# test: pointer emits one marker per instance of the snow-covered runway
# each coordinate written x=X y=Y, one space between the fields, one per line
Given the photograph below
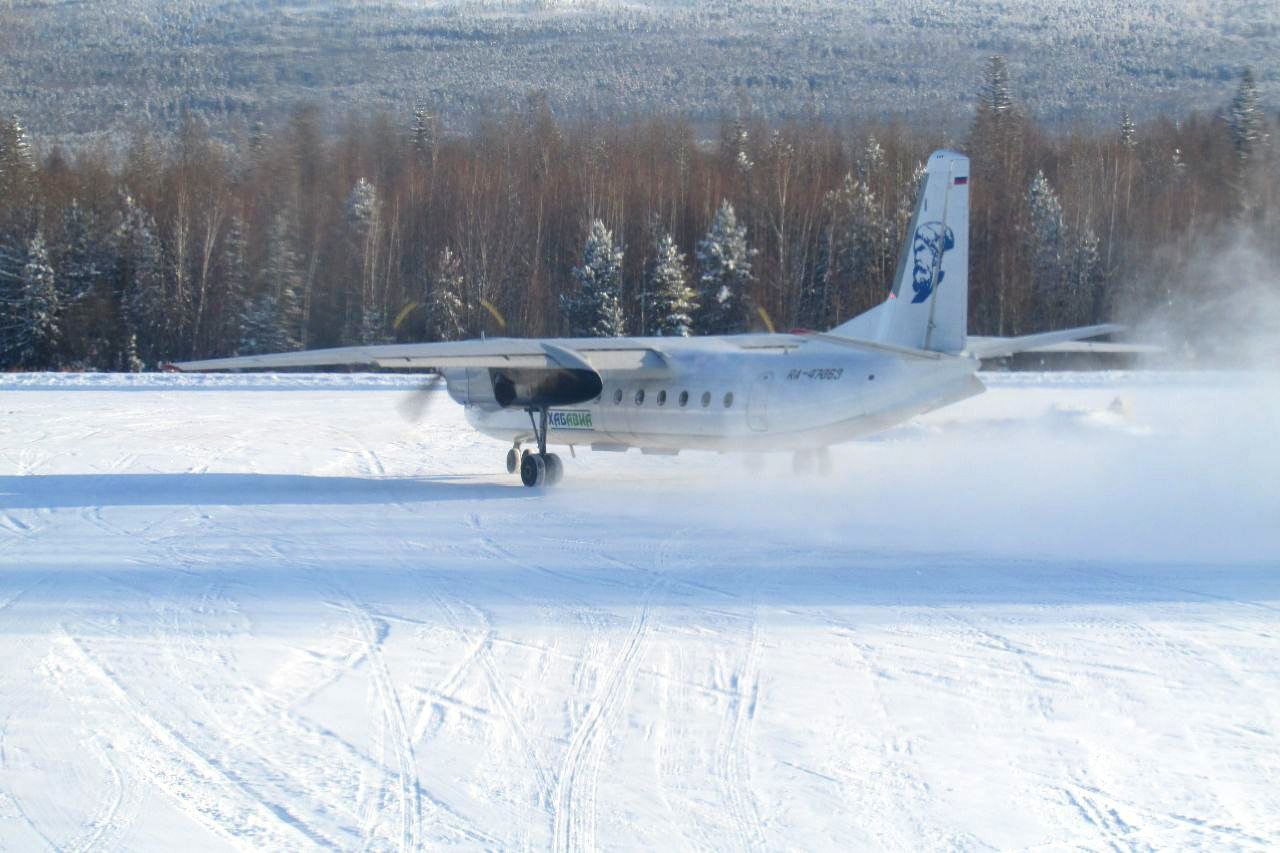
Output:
x=266 y=613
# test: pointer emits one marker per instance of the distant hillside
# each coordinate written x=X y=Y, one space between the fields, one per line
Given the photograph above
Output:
x=101 y=66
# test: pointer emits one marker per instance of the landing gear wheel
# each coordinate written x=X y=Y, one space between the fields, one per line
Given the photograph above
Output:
x=533 y=470
x=513 y=461
x=540 y=468
x=555 y=469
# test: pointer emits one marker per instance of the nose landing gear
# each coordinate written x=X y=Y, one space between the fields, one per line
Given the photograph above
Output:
x=540 y=468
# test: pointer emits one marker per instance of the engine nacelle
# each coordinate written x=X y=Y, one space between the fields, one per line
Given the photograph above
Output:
x=507 y=387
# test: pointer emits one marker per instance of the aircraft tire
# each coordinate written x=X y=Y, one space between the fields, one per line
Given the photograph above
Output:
x=555 y=469
x=513 y=461
x=533 y=470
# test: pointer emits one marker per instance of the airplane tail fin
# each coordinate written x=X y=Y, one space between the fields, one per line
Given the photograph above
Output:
x=929 y=304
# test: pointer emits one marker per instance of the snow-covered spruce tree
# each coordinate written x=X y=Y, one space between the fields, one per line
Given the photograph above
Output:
x=446 y=307
x=995 y=121
x=1245 y=116
x=258 y=139
x=1085 y=283
x=1128 y=131
x=813 y=309
x=140 y=272
x=906 y=208
x=375 y=326
x=260 y=326
x=83 y=259
x=594 y=308
x=425 y=136
x=128 y=360
x=724 y=274
x=364 y=316
x=855 y=247
x=995 y=98
x=674 y=301
x=13 y=254
x=269 y=321
x=34 y=330
x=237 y=301
x=871 y=162
x=282 y=277
x=17 y=164
x=84 y=264
x=1045 y=242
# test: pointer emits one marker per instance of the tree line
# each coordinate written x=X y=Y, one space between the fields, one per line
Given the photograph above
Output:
x=389 y=229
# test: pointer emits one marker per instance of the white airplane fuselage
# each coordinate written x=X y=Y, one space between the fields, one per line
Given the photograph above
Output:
x=715 y=396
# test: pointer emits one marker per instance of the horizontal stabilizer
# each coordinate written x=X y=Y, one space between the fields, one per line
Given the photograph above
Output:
x=1055 y=341
x=1109 y=347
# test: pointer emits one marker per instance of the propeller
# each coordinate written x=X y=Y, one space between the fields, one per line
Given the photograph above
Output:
x=413 y=408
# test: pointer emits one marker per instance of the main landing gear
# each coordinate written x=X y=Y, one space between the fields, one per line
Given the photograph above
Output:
x=540 y=468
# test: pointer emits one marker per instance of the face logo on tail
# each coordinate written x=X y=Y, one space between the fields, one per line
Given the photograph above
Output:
x=932 y=240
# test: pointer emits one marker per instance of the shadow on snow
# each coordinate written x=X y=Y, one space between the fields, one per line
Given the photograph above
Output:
x=62 y=491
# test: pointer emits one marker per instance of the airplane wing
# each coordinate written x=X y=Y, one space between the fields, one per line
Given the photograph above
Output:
x=613 y=355
x=1063 y=340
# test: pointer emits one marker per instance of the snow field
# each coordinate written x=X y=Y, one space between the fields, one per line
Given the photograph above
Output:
x=264 y=612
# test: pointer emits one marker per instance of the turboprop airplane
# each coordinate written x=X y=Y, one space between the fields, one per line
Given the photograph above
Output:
x=798 y=392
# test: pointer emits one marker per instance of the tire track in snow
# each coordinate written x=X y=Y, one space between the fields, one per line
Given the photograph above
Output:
x=576 y=813
x=370 y=461
x=1105 y=819
x=18 y=530
x=1021 y=656
x=733 y=771
x=219 y=801
x=575 y=797
x=6 y=603
x=484 y=656
x=431 y=718
x=392 y=711
x=11 y=807
x=117 y=813
x=316 y=769
x=298 y=682
x=663 y=768
x=546 y=785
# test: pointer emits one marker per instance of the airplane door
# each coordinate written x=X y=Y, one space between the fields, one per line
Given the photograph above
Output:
x=758 y=403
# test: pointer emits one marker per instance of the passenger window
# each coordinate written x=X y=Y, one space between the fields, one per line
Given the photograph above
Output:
x=706 y=399
x=684 y=399
x=617 y=396
x=728 y=399
x=640 y=397
x=662 y=397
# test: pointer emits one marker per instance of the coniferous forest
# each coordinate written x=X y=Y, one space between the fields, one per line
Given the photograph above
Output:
x=324 y=231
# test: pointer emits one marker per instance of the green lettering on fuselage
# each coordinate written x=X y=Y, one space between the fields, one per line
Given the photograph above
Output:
x=572 y=419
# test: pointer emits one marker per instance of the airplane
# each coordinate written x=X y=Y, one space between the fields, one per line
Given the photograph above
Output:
x=800 y=392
